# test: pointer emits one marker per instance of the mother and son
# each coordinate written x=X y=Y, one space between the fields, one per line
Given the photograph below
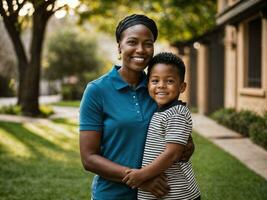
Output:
x=135 y=134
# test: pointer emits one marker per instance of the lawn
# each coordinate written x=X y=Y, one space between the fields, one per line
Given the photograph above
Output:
x=41 y=162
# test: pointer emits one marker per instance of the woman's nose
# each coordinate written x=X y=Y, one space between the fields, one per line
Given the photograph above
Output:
x=140 y=48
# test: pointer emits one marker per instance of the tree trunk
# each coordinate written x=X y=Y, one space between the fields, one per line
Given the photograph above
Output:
x=30 y=88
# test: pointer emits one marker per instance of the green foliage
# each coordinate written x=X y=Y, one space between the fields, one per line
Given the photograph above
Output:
x=225 y=116
x=221 y=176
x=70 y=53
x=45 y=110
x=7 y=87
x=71 y=91
x=258 y=131
x=177 y=20
x=244 y=122
x=10 y=110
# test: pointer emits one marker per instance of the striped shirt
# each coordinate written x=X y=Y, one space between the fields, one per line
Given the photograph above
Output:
x=171 y=125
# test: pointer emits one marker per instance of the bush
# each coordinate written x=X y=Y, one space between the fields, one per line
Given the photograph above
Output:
x=243 y=120
x=72 y=92
x=45 y=111
x=258 y=132
x=225 y=116
x=237 y=121
x=10 y=110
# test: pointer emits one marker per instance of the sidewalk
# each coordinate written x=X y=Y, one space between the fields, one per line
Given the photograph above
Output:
x=253 y=156
x=5 y=101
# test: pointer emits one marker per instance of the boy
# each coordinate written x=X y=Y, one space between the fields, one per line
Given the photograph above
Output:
x=168 y=132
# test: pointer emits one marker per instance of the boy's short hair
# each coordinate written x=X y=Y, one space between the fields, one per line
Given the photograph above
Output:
x=169 y=59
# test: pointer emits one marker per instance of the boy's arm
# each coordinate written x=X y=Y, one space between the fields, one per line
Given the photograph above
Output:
x=171 y=154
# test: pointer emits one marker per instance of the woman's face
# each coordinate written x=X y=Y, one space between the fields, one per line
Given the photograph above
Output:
x=136 y=47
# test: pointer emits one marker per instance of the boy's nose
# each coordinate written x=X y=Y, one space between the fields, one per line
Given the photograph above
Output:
x=161 y=84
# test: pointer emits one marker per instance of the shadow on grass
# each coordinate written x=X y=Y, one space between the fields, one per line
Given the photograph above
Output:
x=41 y=176
x=29 y=138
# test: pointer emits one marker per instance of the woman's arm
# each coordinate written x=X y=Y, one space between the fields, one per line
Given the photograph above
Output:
x=94 y=162
x=171 y=154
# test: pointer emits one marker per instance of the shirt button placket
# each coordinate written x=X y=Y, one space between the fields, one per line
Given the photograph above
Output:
x=137 y=107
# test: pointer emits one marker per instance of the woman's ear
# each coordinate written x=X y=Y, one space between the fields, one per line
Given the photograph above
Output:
x=182 y=87
x=119 y=48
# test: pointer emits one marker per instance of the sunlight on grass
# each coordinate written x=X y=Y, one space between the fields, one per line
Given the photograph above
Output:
x=53 y=161
x=8 y=142
x=41 y=161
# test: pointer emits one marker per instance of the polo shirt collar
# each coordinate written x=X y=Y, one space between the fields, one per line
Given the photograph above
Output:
x=171 y=104
x=119 y=83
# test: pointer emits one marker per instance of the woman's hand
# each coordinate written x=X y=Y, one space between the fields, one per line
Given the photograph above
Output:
x=188 y=150
x=157 y=186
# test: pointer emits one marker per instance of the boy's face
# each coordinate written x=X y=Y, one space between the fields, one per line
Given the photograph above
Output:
x=164 y=84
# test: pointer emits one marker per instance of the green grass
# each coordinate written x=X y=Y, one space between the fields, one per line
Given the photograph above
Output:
x=39 y=162
x=42 y=162
x=68 y=103
x=221 y=176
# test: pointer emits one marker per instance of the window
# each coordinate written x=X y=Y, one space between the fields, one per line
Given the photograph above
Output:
x=253 y=79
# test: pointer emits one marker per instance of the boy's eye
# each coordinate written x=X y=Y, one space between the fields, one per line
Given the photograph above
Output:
x=170 y=81
x=154 y=81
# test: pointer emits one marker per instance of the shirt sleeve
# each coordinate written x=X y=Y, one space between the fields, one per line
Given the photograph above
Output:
x=91 y=109
x=178 y=129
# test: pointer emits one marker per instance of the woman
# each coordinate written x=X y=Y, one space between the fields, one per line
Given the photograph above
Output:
x=115 y=112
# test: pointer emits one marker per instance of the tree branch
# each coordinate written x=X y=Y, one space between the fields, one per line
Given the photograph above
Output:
x=2 y=10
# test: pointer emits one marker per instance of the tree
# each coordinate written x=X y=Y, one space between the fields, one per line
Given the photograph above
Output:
x=72 y=57
x=71 y=53
x=29 y=67
x=177 y=20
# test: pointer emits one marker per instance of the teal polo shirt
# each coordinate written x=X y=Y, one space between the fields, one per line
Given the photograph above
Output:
x=122 y=114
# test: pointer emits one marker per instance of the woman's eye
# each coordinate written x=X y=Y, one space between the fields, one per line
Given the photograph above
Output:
x=149 y=44
x=131 y=42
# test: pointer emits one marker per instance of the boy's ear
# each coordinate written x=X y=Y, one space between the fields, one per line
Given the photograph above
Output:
x=182 y=87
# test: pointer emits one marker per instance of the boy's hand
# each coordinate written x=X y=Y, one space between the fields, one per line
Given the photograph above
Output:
x=134 y=178
x=188 y=151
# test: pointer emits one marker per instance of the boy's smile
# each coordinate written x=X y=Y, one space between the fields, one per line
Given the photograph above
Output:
x=164 y=84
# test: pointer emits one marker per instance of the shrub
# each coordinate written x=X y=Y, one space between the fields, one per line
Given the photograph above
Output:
x=45 y=111
x=10 y=110
x=225 y=116
x=244 y=119
x=258 y=132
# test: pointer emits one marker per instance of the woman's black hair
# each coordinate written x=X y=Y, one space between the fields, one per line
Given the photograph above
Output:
x=169 y=59
x=134 y=20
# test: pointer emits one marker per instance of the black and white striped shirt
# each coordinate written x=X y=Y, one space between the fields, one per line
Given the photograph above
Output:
x=171 y=125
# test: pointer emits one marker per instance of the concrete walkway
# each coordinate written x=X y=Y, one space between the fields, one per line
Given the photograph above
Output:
x=5 y=101
x=253 y=156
